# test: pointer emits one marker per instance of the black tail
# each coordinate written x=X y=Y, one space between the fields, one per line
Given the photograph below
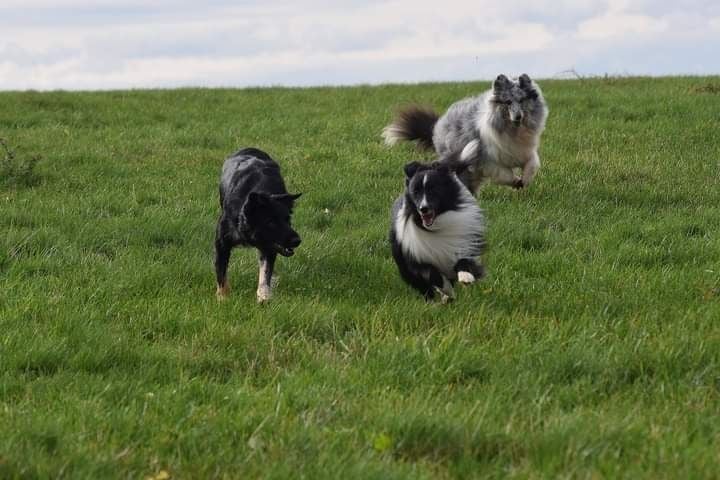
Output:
x=413 y=122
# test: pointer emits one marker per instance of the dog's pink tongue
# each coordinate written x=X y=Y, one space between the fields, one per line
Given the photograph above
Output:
x=428 y=219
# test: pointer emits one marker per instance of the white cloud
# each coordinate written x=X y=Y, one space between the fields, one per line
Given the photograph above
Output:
x=616 y=25
x=57 y=5
x=108 y=44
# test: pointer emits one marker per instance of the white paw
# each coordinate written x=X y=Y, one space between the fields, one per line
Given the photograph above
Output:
x=263 y=294
x=466 y=277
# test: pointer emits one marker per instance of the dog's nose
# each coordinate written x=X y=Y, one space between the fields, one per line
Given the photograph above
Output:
x=424 y=209
x=294 y=241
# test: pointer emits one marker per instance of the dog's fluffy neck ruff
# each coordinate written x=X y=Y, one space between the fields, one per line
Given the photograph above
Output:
x=508 y=146
x=455 y=234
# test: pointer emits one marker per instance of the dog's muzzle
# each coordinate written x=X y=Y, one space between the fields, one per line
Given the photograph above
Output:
x=284 y=251
x=427 y=215
x=289 y=249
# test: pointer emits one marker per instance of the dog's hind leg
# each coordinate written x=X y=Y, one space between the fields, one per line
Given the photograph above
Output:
x=222 y=258
x=530 y=170
x=266 y=263
x=468 y=271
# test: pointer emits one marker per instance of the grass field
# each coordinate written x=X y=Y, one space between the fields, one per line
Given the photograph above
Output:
x=591 y=350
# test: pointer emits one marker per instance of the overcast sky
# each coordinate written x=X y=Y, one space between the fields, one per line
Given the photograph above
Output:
x=106 y=44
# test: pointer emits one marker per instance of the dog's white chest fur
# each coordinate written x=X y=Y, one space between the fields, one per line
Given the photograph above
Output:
x=509 y=151
x=454 y=235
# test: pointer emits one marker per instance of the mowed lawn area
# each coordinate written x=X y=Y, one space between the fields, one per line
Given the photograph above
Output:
x=590 y=350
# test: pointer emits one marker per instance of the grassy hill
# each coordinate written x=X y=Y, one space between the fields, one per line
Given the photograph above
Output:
x=591 y=350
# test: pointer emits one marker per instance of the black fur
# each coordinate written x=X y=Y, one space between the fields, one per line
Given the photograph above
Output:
x=416 y=122
x=441 y=191
x=255 y=212
x=461 y=168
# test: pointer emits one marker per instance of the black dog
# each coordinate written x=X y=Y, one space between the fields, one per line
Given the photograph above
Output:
x=437 y=230
x=256 y=211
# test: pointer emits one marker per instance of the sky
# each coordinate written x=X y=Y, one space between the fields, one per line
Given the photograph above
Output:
x=106 y=44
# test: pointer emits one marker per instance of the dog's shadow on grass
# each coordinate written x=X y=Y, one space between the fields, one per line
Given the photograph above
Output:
x=360 y=279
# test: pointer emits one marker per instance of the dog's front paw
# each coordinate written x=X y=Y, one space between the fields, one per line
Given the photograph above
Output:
x=466 y=277
x=222 y=292
x=263 y=294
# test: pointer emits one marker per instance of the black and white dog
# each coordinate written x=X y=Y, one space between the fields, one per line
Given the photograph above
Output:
x=256 y=210
x=437 y=230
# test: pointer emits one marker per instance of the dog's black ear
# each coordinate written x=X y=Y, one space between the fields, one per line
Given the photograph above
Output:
x=411 y=169
x=288 y=198
x=501 y=83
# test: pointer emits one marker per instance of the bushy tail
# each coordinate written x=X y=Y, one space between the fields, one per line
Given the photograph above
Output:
x=413 y=122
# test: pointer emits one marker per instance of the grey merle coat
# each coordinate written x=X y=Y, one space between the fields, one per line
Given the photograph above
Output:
x=493 y=133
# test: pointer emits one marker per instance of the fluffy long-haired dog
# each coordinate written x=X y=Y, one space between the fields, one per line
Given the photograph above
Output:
x=437 y=231
x=493 y=133
x=256 y=211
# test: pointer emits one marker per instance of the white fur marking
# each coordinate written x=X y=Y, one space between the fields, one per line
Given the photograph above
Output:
x=263 y=293
x=470 y=150
x=423 y=202
x=466 y=277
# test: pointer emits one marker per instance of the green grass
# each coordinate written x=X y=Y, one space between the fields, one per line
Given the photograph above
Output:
x=591 y=350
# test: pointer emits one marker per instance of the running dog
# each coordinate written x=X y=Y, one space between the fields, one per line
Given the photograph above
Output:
x=493 y=133
x=437 y=230
x=255 y=212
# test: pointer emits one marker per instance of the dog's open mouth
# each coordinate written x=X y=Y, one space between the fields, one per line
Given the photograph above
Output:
x=284 y=251
x=428 y=218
